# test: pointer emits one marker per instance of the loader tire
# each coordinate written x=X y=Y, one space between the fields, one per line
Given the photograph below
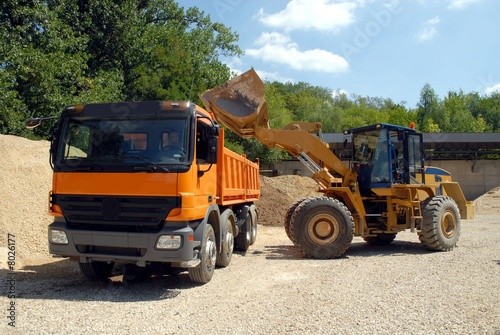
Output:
x=381 y=239
x=224 y=257
x=322 y=227
x=440 y=224
x=288 y=218
x=204 y=271
x=96 y=270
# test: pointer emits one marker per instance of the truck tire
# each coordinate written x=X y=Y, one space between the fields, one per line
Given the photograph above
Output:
x=381 y=239
x=224 y=257
x=96 y=270
x=208 y=255
x=288 y=218
x=440 y=224
x=322 y=227
x=244 y=238
x=254 y=217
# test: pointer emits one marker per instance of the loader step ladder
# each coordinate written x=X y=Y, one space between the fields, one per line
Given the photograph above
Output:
x=416 y=215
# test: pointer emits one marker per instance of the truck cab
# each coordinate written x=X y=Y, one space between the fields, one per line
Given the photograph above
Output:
x=148 y=182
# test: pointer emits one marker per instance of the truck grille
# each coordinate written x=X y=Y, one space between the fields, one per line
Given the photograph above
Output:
x=115 y=213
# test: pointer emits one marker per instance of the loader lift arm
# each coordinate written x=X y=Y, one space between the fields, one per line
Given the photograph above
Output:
x=240 y=106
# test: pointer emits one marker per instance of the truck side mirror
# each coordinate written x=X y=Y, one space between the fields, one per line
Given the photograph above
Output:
x=212 y=150
x=33 y=123
x=215 y=130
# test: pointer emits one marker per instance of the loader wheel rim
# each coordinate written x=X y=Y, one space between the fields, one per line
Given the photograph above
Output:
x=448 y=224
x=323 y=229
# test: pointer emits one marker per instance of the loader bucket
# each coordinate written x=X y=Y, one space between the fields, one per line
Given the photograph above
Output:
x=239 y=104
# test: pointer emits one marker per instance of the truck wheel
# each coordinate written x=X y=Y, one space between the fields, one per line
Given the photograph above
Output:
x=244 y=237
x=381 y=239
x=288 y=218
x=254 y=217
x=322 y=227
x=224 y=257
x=96 y=270
x=208 y=254
x=440 y=224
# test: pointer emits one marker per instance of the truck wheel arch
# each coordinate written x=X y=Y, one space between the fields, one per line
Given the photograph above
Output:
x=212 y=217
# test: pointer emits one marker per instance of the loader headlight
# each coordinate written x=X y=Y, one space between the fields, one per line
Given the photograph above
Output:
x=57 y=236
x=169 y=242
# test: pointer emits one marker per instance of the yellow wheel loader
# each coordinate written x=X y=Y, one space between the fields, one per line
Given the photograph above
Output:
x=385 y=188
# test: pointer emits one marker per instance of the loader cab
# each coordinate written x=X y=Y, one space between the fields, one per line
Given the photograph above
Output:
x=385 y=154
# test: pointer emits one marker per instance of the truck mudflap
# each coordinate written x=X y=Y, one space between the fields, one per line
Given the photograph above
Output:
x=127 y=247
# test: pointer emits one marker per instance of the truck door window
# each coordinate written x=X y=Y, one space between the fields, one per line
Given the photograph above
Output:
x=76 y=142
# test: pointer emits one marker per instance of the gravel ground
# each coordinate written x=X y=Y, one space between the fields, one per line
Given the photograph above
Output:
x=272 y=289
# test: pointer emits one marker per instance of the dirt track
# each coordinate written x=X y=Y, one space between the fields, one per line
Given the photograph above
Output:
x=272 y=289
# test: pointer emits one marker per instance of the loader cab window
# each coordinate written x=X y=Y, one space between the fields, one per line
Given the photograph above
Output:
x=381 y=160
x=379 y=154
x=415 y=158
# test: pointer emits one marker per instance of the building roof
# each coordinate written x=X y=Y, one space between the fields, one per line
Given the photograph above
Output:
x=440 y=145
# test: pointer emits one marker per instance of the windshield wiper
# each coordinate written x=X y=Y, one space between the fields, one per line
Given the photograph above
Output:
x=152 y=167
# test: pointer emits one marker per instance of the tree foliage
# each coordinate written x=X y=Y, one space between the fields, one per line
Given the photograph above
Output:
x=56 y=53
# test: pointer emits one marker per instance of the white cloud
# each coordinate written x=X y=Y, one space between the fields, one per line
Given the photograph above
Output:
x=426 y=34
x=280 y=49
x=461 y=4
x=323 y=15
x=493 y=89
x=435 y=20
x=429 y=31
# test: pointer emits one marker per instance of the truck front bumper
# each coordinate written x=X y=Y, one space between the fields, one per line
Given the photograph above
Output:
x=130 y=247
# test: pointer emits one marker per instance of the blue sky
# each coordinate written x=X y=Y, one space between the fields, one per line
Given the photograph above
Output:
x=377 y=48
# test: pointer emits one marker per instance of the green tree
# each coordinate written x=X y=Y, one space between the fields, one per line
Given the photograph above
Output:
x=489 y=109
x=457 y=105
x=428 y=107
x=55 y=53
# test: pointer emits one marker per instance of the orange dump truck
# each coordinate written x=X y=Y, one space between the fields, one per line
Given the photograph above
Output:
x=148 y=183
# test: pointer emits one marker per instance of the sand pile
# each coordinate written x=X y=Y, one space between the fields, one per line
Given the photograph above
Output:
x=25 y=181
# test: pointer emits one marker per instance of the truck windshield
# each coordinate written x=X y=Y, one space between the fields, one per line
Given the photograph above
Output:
x=134 y=144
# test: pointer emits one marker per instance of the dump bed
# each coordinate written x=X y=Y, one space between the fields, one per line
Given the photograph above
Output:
x=238 y=177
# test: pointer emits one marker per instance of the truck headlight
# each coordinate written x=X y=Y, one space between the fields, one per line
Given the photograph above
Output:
x=57 y=236
x=169 y=242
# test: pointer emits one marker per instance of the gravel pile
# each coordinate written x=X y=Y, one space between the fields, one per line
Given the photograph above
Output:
x=272 y=289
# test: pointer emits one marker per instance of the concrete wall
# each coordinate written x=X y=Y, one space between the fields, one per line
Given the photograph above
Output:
x=475 y=177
